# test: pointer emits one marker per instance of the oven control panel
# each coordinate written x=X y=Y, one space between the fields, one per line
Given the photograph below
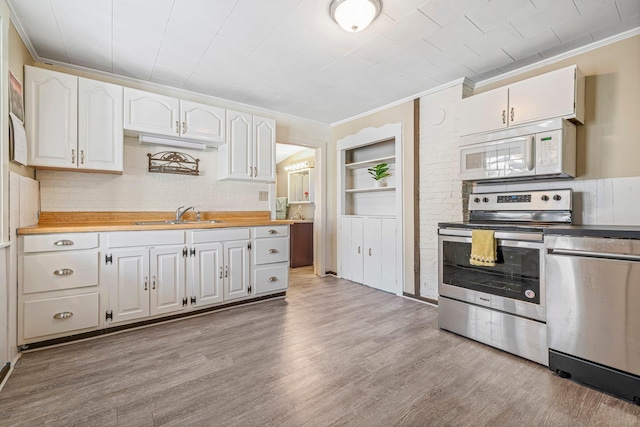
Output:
x=539 y=200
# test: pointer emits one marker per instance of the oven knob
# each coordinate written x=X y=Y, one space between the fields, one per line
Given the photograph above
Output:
x=485 y=199
x=477 y=200
x=545 y=198
x=557 y=197
x=529 y=293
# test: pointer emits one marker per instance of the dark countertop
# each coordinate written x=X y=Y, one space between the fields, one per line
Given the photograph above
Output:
x=606 y=231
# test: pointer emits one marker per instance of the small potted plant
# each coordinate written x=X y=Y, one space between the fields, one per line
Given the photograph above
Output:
x=379 y=172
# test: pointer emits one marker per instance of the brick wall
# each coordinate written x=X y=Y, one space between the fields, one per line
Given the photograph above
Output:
x=138 y=190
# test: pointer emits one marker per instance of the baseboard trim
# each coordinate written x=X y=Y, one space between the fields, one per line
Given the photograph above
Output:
x=115 y=329
x=419 y=298
x=4 y=371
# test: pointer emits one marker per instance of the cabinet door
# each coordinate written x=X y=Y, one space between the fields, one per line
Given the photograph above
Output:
x=236 y=270
x=372 y=257
x=100 y=139
x=483 y=112
x=345 y=249
x=549 y=95
x=264 y=143
x=356 y=256
x=152 y=113
x=128 y=281
x=51 y=115
x=239 y=147
x=202 y=122
x=208 y=273
x=167 y=271
x=388 y=261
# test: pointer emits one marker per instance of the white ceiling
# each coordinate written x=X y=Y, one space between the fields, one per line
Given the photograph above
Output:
x=284 y=151
x=289 y=56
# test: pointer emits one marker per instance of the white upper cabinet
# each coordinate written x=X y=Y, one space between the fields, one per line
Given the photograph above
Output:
x=250 y=152
x=73 y=123
x=51 y=114
x=151 y=113
x=100 y=138
x=264 y=143
x=558 y=93
x=202 y=122
x=146 y=112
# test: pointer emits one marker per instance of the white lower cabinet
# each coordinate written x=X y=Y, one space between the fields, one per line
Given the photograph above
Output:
x=59 y=286
x=220 y=268
x=368 y=251
x=270 y=259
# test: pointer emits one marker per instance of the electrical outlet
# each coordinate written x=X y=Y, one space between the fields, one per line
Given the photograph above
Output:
x=263 y=196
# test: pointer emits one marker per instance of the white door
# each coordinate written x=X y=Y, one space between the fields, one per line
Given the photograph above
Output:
x=264 y=143
x=202 y=122
x=239 y=146
x=236 y=270
x=372 y=252
x=167 y=272
x=128 y=279
x=483 y=112
x=51 y=117
x=100 y=136
x=151 y=113
x=546 y=96
x=356 y=257
x=388 y=255
x=208 y=273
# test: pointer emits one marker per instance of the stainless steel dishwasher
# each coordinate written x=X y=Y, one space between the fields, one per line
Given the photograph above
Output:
x=593 y=311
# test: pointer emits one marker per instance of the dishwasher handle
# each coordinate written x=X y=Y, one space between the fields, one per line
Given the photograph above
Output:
x=594 y=254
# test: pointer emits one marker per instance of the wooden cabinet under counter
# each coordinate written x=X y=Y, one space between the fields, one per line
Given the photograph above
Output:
x=301 y=238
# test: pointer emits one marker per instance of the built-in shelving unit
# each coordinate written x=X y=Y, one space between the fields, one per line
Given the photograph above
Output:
x=370 y=235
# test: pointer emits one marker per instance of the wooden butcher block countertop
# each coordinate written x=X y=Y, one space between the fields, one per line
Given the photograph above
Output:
x=80 y=222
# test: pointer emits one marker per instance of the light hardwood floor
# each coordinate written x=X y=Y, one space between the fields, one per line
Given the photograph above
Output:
x=331 y=353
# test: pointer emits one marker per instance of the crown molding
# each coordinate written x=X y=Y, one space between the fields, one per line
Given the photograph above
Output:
x=22 y=33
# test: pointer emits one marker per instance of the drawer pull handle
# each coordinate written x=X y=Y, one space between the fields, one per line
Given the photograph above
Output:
x=63 y=315
x=273 y=232
x=272 y=279
x=273 y=251
x=63 y=272
x=63 y=243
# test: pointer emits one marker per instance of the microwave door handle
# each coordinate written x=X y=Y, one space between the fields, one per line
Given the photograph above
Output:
x=529 y=147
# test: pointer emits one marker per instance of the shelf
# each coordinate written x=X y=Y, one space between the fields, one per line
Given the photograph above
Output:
x=372 y=162
x=369 y=190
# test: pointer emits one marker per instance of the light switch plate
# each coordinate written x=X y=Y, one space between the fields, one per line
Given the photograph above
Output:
x=263 y=196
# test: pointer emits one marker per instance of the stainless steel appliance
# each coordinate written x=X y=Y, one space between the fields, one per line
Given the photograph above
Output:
x=594 y=310
x=502 y=306
x=543 y=150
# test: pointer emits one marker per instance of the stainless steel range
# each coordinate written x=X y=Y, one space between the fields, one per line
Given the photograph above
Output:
x=502 y=306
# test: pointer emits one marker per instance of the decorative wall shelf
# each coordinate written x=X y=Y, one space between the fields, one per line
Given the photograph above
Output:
x=369 y=190
x=372 y=162
x=173 y=162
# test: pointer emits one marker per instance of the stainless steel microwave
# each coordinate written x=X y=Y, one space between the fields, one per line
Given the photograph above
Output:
x=545 y=149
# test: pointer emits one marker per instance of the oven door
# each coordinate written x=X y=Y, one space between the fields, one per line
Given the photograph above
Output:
x=515 y=285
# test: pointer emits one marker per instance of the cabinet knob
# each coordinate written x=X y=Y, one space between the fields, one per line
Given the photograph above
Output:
x=63 y=315
x=82 y=157
x=146 y=283
x=177 y=127
x=512 y=113
x=273 y=251
x=358 y=249
x=226 y=271
x=63 y=243
x=220 y=272
x=369 y=251
x=184 y=127
x=63 y=272
x=272 y=279
x=153 y=282
x=504 y=117
x=273 y=232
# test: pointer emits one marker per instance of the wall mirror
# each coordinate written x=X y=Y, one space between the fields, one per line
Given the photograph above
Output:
x=301 y=186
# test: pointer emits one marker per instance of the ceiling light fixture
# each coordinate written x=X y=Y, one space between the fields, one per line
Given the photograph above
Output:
x=355 y=15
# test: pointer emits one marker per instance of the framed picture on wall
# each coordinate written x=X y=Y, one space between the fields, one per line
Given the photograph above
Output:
x=16 y=104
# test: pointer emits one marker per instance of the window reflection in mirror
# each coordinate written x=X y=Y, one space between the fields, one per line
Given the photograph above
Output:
x=301 y=186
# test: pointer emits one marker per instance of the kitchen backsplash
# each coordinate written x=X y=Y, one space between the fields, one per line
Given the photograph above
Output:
x=138 y=190
x=611 y=201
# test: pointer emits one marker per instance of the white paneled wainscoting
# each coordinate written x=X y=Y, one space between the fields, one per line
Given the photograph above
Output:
x=138 y=190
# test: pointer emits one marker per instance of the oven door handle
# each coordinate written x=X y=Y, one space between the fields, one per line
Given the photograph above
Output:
x=500 y=235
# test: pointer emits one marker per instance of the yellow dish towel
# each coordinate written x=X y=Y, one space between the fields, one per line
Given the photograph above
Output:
x=483 y=248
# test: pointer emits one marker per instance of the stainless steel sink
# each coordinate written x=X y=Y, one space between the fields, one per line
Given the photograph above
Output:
x=174 y=222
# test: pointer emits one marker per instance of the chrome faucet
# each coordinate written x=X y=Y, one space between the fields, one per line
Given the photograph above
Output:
x=180 y=213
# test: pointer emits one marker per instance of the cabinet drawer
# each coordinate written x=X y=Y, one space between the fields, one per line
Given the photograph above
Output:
x=60 y=315
x=219 y=235
x=125 y=239
x=272 y=231
x=52 y=272
x=60 y=242
x=271 y=279
x=268 y=251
